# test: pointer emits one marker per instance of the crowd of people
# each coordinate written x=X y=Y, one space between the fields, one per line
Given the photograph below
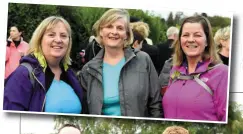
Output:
x=123 y=73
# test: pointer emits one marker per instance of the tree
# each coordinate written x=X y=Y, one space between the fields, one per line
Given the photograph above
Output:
x=170 y=20
x=108 y=125
x=82 y=19
x=177 y=19
x=28 y=16
x=157 y=27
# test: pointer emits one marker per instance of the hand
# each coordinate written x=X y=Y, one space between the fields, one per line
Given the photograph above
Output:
x=10 y=39
x=21 y=53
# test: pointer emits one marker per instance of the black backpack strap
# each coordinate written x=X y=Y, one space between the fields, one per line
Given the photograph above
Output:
x=30 y=70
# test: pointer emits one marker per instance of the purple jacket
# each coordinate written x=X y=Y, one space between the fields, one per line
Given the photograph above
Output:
x=19 y=94
x=186 y=99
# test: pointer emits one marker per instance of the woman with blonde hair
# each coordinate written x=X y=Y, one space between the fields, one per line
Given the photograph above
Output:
x=143 y=29
x=140 y=32
x=44 y=82
x=119 y=80
x=222 y=41
x=198 y=83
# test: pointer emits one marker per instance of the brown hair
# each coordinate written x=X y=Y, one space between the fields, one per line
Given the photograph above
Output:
x=210 y=50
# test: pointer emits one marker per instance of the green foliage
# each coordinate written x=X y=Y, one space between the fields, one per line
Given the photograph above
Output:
x=81 y=23
x=178 y=18
x=81 y=19
x=218 y=22
x=93 y=125
x=28 y=16
x=170 y=20
x=156 y=25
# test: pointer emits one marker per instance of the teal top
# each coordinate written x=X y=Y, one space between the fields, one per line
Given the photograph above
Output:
x=111 y=75
x=61 y=98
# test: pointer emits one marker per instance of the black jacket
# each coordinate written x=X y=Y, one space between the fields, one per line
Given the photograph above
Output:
x=153 y=52
x=165 y=53
x=91 y=50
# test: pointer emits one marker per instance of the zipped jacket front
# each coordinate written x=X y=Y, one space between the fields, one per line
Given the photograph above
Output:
x=139 y=91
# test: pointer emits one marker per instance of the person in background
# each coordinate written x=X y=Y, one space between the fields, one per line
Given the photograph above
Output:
x=15 y=49
x=92 y=49
x=137 y=40
x=222 y=41
x=69 y=129
x=55 y=88
x=164 y=76
x=175 y=130
x=165 y=49
x=165 y=57
x=152 y=51
x=198 y=83
x=119 y=80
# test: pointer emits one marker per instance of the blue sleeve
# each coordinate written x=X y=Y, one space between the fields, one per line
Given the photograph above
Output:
x=17 y=90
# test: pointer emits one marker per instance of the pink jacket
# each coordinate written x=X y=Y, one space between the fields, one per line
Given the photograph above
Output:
x=13 y=56
x=186 y=99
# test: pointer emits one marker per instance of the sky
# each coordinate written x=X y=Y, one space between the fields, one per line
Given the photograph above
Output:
x=165 y=13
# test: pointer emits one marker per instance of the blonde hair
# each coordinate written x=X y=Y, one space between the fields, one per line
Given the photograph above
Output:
x=172 y=30
x=210 y=50
x=221 y=34
x=141 y=27
x=110 y=17
x=46 y=24
x=175 y=130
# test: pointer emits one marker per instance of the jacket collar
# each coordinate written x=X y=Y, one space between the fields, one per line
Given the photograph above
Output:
x=97 y=62
x=201 y=67
x=44 y=75
x=42 y=60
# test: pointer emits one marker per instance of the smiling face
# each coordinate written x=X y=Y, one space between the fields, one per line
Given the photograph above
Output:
x=114 y=35
x=55 y=42
x=193 y=40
